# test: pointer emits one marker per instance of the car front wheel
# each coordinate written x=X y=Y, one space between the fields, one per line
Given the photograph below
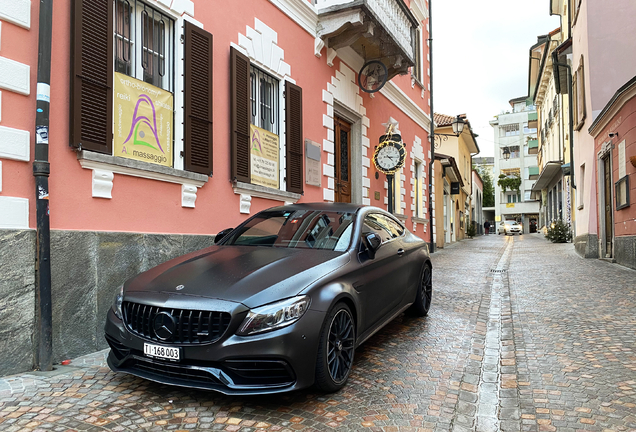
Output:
x=336 y=349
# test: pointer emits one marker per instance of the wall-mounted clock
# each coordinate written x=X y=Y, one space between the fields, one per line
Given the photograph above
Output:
x=372 y=76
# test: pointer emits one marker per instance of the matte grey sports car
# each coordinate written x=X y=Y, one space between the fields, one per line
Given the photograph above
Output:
x=277 y=304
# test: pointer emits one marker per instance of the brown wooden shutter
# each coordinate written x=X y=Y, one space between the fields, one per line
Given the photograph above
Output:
x=240 y=114
x=294 y=137
x=197 y=76
x=91 y=104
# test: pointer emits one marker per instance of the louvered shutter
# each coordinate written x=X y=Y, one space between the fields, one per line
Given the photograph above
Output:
x=294 y=137
x=197 y=75
x=240 y=115
x=91 y=105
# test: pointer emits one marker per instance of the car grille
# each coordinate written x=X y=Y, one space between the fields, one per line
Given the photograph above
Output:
x=192 y=326
x=173 y=372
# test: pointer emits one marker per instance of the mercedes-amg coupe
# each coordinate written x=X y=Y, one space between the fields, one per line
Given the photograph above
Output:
x=279 y=303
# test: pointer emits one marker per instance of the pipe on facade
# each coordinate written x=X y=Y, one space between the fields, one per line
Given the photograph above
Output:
x=556 y=64
x=41 y=170
x=432 y=132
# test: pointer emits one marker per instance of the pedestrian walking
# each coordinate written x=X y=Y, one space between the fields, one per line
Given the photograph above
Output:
x=487 y=227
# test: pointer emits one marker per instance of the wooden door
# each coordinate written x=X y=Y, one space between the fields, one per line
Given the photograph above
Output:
x=607 y=183
x=342 y=158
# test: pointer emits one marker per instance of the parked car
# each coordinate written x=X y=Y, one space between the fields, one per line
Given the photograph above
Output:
x=510 y=228
x=277 y=304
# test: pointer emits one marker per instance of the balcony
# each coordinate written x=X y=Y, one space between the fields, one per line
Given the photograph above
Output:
x=375 y=29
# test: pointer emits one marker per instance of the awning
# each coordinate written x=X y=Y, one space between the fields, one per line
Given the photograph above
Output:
x=550 y=170
x=533 y=143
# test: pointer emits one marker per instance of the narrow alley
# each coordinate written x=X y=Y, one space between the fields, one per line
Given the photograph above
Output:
x=523 y=335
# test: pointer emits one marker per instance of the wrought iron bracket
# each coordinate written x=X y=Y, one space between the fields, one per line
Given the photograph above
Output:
x=439 y=138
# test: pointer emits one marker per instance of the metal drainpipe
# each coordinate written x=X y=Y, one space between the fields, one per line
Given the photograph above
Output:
x=571 y=119
x=432 y=133
x=41 y=170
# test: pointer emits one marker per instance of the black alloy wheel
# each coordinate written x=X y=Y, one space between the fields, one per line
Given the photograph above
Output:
x=424 y=293
x=336 y=350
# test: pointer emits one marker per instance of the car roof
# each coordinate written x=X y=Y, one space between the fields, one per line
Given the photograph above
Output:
x=322 y=206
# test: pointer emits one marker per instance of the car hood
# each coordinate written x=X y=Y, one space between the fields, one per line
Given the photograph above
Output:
x=251 y=275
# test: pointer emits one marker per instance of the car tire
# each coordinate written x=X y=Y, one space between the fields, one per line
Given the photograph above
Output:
x=424 y=293
x=336 y=349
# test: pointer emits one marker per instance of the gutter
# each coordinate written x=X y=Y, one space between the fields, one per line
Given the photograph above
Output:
x=555 y=66
x=41 y=170
x=432 y=133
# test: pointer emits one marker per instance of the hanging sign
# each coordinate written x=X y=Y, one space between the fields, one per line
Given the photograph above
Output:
x=143 y=121
x=264 y=154
x=454 y=188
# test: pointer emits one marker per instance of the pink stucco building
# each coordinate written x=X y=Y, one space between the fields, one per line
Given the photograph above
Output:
x=127 y=194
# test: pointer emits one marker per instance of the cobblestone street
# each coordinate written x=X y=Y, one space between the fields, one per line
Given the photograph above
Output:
x=522 y=335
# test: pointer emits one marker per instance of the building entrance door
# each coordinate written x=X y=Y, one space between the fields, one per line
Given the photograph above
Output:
x=342 y=156
x=607 y=198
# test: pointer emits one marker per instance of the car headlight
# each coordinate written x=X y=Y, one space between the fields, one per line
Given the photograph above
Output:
x=119 y=297
x=274 y=316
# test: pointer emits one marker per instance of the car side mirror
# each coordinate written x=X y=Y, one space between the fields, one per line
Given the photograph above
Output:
x=222 y=234
x=372 y=242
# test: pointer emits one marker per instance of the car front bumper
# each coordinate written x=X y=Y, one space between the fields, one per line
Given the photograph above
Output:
x=278 y=361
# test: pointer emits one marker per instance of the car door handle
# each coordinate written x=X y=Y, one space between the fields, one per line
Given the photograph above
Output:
x=400 y=252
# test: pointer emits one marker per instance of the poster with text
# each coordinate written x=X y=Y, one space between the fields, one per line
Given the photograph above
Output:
x=143 y=121
x=264 y=152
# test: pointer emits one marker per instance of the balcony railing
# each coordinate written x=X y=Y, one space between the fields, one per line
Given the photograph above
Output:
x=376 y=29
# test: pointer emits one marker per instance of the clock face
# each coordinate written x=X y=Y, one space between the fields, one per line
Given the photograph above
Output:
x=389 y=157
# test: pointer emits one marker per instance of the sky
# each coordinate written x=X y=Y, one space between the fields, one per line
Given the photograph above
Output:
x=480 y=57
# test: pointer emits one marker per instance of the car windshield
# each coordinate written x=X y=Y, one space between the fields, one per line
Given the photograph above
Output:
x=304 y=229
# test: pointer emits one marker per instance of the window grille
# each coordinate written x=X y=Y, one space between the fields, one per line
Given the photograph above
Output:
x=265 y=100
x=144 y=43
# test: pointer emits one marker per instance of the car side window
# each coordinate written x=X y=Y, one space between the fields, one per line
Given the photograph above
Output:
x=394 y=227
x=373 y=225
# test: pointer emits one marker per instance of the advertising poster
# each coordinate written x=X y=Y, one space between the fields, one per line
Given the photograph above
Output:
x=264 y=151
x=143 y=121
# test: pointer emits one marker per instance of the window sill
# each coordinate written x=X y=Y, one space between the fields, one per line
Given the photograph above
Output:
x=400 y=216
x=419 y=220
x=131 y=167
x=258 y=191
x=105 y=167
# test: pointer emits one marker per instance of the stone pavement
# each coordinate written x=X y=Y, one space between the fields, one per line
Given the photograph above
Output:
x=522 y=335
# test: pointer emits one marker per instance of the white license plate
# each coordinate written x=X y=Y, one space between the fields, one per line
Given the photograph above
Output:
x=163 y=352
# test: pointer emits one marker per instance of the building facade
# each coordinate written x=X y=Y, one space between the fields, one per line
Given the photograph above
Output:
x=552 y=188
x=173 y=120
x=452 y=179
x=596 y=36
x=614 y=132
x=514 y=134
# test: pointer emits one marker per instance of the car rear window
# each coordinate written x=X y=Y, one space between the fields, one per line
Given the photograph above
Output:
x=305 y=229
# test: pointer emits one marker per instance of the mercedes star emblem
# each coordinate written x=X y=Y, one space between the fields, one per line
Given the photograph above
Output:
x=164 y=326
x=180 y=287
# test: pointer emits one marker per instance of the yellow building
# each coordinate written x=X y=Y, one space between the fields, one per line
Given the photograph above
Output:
x=452 y=178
